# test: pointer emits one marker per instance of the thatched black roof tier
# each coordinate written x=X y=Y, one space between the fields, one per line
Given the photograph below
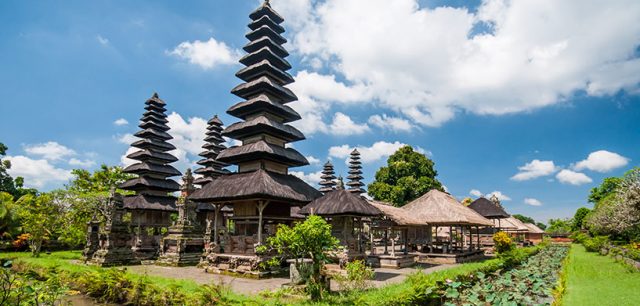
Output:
x=263 y=103
x=259 y=184
x=152 y=156
x=211 y=167
x=266 y=31
x=488 y=209
x=268 y=43
x=439 y=208
x=263 y=150
x=340 y=202
x=152 y=144
x=153 y=167
x=265 y=20
x=263 y=125
x=266 y=10
x=150 y=202
x=264 y=85
x=264 y=68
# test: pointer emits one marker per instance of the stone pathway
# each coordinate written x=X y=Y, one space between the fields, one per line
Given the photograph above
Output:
x=252 y=286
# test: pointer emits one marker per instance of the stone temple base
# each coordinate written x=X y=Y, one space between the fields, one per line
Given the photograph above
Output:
x=394 y=262
x=181 y=250
x=440 y=258
x=114 y=257
x=240 y=265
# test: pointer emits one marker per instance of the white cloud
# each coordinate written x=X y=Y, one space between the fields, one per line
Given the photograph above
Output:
x=574 y=178
x=344 y=126
x=475 y=193
x=103 y=41
x=126 y=161
x=316 y=94
x=532 y=202
x=51 y=150
x=395 y=124
x=602 y=161
x=82 y=163
x=534 y=169
x=499 y=195
x=126 y=138
x=312 y=160
x=206 y=54
x=37 y=173
x=311 y=178
x=426 y=63
x=121 y=122
x=375 y=152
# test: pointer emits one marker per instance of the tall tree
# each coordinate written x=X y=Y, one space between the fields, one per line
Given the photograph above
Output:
x=9 y=223
x=407 y=176
x=6 y=181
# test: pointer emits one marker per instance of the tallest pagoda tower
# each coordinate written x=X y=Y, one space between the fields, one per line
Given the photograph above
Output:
x=262 y=192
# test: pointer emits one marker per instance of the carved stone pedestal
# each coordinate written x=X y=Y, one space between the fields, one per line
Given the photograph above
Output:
x=114 y=246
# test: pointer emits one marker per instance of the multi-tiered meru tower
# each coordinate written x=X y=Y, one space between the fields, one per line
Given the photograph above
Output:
x=152 y=203
x=355 y=173
x=261 y=192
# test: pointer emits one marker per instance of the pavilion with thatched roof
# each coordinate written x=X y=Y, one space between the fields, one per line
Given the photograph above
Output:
x=400 y=224
x=346 y=212
x=535 y=234
x=440 y=209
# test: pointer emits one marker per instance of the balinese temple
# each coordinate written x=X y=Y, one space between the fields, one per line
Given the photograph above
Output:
x=346 y=212
x=355 y=173
x=261 y=192
x=214 y=143
x=328 y=178
x=152 y=204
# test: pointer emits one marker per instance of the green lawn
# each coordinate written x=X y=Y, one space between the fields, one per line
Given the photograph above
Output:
x=599 y=280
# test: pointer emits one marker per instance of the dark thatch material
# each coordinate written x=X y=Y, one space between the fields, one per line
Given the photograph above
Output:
x=266 y=10
x=266 y=42
x=142 y=183
x=398 y=215
x=264 y=125
x=266 y=31
x=262 y=149
x=260 y=184
x=265 y=20
x=264 y=68
x=263 y=103
x=340 y=202
x=439 y=208
x=488 y=209
x=264 y=85
x=265 y=53
x=149 y=202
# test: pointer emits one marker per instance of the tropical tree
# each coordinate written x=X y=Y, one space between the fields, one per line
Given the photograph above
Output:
x=309 y=239
x=100 y=180
x=608 y=187
x=524 y=219
x=40 y=215
x=559 y=226
x=407 y=176
x=578 y=218
x=7 y=183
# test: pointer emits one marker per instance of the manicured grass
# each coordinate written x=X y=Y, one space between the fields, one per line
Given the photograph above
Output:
x=599 y=280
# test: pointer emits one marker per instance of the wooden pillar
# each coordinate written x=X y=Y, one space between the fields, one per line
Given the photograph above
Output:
x=406 y=241
x=478 y=236
x=215 y=223
x=450 y=239
x=261 y=207
x=386 y=240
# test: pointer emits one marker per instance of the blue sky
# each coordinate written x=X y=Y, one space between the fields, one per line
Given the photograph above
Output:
x=484 y=88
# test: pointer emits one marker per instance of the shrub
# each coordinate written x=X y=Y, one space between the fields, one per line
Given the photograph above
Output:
x=357 y=278
x=595 y=244
x=503 y=242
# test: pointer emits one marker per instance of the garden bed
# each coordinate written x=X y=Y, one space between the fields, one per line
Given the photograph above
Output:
x=531 y=283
